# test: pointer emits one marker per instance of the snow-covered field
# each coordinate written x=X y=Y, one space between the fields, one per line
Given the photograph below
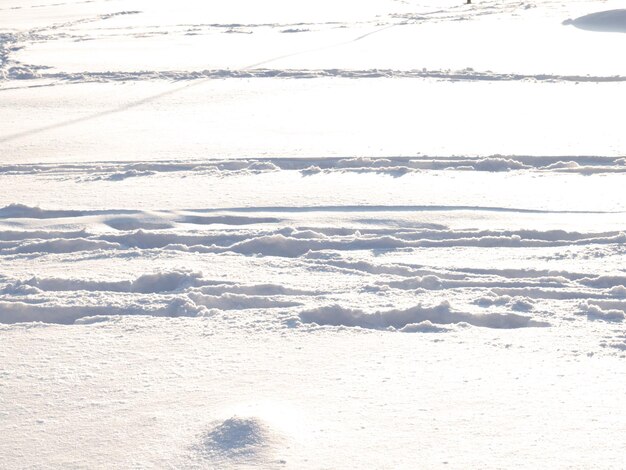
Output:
x=312 y=234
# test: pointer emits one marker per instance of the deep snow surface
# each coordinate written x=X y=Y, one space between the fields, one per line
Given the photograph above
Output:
x=280 y=234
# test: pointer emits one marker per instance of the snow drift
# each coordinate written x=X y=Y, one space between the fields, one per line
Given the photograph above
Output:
x=336 y=315
x=611 y=21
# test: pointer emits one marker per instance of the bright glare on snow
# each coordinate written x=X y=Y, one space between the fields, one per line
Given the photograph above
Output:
x=312 y=234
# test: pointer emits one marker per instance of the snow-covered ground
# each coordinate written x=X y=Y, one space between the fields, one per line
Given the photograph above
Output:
x=279 y=234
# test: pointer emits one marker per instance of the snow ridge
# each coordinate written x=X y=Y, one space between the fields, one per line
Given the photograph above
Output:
x=294 y=242
x=401 y=293
x=168 y=293
x=35 y=73
x=407 y=319
x=394 y=166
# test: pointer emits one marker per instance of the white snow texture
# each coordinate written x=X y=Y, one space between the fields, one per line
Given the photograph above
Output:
x=246 y=234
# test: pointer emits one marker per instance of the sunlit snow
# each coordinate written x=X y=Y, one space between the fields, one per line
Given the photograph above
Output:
x=312 y=234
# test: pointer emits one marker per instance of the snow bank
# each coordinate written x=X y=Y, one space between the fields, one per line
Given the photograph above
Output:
x=456 y=281
x=228 y=220
x=278 y=244
x=293 y=242
x=67 y=310
x=129 y=174
x=618 y=291
x=228 y=301
x=498 y=164
x=13 y=211
x=168 y=293
x=604 y=281
x=611 y=21
x=136 y=223
x=326 y=259
x=61 y=245
x=519 y=304
x=17 y=235
x=145 y=284
x=565 y=293
x=595 y=312
x=423 y=327
x=337 y=315
x=254 y=289
x=158 y=282
x=430 y=282
x=394 y=166
x=20 y=312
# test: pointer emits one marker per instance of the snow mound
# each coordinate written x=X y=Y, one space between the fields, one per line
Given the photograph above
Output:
x=227 y=301
x=129 y=174
x=236 y=438
x=400 y=319
x=62 y=245
x=519 y=304
x=498 y=164
x=28 y=73
x=166 y=281
x=229 y=220
x=22 y=211
x=423 y=327
x=23 y=312
x=610 y=21
x=597 y=312
x=252 y=289
x=604 y=281
x=618 y=291
x=135 y=223
x=393 y=166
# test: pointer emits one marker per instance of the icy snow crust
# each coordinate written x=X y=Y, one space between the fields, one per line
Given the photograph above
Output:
x=281 y=234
